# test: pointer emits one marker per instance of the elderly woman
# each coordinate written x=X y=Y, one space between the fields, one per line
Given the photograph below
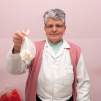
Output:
x=57 y=72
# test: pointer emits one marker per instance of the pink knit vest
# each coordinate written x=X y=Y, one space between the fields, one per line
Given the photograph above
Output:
x=31 y=84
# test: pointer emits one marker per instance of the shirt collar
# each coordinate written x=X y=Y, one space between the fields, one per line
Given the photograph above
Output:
x=65 y=44
x=46 y=43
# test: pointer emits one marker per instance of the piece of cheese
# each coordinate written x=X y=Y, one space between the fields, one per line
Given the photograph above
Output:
x=25 y=55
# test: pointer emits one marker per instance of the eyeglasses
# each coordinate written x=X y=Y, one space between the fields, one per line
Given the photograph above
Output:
x=50 y=26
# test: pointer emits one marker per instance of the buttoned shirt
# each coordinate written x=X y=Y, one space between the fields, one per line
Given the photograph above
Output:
x=56 y=74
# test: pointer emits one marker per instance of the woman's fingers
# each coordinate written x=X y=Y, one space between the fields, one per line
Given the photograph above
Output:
x=17 y=41
x=18 y=36
x=23 y=32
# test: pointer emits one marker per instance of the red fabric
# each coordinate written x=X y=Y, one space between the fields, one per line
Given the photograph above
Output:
x=75 y=54
x=31 y=84
x=11 y=96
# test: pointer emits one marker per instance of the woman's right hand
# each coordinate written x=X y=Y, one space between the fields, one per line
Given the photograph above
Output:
x=17 y=39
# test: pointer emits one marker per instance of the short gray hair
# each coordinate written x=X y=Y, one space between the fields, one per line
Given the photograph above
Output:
x=54 y=13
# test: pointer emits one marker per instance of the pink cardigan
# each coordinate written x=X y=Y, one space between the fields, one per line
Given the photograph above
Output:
x=31 y=84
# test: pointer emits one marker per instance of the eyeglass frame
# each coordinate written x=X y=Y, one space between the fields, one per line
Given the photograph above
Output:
x=58 y=26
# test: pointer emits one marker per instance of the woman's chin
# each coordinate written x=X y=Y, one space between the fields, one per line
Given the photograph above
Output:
x=55 y=40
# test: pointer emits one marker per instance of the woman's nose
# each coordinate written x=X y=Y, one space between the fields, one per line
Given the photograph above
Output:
x=54 y=28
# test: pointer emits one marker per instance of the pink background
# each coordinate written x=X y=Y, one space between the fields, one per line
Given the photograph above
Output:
x=83 y=20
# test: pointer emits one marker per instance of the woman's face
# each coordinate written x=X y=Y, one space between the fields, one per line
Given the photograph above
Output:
x=54 y=30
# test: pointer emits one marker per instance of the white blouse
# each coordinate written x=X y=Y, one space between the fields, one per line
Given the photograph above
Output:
x=56 y=74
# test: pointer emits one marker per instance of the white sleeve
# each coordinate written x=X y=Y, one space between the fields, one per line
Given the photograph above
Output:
x=15 y=65
x=83 y=81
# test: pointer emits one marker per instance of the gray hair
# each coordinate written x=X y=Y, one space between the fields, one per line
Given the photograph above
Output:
x=54 y=13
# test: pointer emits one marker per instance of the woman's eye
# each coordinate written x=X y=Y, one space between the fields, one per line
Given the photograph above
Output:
x=50 y=26
x=58 y=26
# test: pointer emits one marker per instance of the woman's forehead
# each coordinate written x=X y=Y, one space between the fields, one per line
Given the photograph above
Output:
x=54 y=21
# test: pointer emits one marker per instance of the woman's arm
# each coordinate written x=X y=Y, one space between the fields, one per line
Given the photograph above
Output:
x=14 y=63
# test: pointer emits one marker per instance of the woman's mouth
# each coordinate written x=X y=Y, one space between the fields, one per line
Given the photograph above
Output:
x=54 y=34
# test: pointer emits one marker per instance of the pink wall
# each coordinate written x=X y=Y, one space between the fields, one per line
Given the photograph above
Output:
x=83 y=20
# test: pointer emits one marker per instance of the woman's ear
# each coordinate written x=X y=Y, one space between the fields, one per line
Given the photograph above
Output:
x=65 y=28
x=45 y=29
